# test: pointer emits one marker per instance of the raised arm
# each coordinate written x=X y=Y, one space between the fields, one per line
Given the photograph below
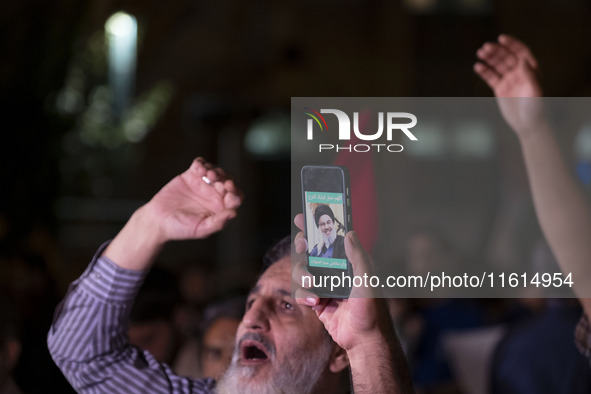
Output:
x=509 y=68
x=88 y=338
x=361 y=325
x=193 y=205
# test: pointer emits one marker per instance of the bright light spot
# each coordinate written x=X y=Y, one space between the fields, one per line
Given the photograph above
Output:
x=121 y=24
x=121 y=30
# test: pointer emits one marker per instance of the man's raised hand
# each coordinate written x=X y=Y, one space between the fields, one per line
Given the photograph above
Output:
x=509 y=69
x=193 y=205
x=359 y=324
x=352 y=321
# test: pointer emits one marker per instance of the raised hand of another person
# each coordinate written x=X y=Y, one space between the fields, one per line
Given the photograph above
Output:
x=509 y=68
x=193 y=205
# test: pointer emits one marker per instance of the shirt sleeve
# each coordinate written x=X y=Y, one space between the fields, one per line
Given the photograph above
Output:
x=88 y=338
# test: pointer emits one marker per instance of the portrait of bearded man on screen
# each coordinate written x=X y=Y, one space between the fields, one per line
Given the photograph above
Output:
x=332 y=245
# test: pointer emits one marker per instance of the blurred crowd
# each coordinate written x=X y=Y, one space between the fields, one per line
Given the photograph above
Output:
x=179 y=316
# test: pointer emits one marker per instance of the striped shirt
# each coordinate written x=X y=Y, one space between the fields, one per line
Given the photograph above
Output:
x=89 y=343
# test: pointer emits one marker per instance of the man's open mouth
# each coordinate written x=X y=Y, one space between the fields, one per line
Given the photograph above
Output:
x=253 y=352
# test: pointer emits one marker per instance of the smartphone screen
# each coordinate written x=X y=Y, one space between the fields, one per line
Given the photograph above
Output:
x=326 y=198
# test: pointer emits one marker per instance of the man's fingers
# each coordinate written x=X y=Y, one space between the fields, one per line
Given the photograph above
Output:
x=328 y=305
x=306 y=297
x=501 y=57
x=487 y=74
x=202 y=172
x=208 y=178
x=299 y=272
x=232 y=188
x=219 y=187
x=232 y=201
x=197 y=167
x=215 y=223
x=356 y=255
x=299 y=221
x=498 y=57
x=234 y=196
x=320 y=307
x=216 y=174
x=506 y=55
x=361 y=264
x=221 y=173
x=300 y=243
x=203 y=168
x=519 y=49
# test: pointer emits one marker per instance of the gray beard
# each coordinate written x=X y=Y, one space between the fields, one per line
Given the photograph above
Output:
x=297 y=374
x=329 y=239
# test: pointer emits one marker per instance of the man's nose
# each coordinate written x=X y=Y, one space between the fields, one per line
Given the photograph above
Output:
x=257 y=316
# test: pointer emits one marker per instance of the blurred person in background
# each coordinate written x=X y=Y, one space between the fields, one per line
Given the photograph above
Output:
x=209 y=354
x=425 y=322
x=152 y=316
x=520 y=365
x=25 y=279
x=197 y=287
x=10 y=346
x=509 y=68
x=221 y=320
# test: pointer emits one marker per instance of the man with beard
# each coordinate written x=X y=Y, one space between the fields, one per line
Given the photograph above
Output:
x=333 y=245
x=305 y=356
x=283 y=344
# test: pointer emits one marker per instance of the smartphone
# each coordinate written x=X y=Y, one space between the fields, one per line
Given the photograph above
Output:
x=326 y=196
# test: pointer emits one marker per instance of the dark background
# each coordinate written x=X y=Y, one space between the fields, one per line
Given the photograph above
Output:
x=229 y=64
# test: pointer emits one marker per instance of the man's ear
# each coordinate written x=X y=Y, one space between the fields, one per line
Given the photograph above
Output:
x=338 y=360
